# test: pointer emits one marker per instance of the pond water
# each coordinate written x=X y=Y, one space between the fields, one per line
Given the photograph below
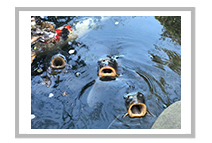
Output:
x=148 y=54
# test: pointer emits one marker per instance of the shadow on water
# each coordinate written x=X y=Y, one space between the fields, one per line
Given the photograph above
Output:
x=75 y=97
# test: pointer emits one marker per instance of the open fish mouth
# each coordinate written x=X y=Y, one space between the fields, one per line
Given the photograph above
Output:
x=107 y=71
x=107 y=68
x=137 y=110
x=58 y=63
x=136 y=106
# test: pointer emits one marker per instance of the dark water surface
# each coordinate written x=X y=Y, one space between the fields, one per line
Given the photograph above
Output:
x=149 y=59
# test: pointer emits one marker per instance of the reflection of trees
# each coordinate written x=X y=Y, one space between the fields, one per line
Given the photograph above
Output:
x=174 y=61
x=172 y=27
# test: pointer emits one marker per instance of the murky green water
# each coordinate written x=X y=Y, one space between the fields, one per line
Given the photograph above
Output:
x=148 y=54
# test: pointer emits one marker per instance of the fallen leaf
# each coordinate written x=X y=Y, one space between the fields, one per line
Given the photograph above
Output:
x=33 y=39
x=64 y=94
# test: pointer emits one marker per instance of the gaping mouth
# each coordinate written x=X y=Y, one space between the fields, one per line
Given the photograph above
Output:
x=137 y=110
x=58 y=63
x=107 y=71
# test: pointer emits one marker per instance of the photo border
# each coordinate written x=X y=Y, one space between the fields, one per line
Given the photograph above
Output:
x=18 y=9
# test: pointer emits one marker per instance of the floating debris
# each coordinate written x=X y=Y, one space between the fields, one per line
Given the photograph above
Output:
x=39 y=70
x=51 y=95
x=33 y=55
x=33 y=39
x=77 y=74
x=116 y=23
x=46 y=81
x=71 y=51
x=64 y=93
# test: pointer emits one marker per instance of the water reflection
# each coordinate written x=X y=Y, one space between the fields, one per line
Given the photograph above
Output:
x=173 y=61
x=172 y=27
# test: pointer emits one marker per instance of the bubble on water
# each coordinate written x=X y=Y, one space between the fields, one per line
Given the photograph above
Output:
x=32 y=116
x=71 y=51
x=51 y=95
x=164 y=106
x=77 y=74
x=69 y=42
x=116 y=23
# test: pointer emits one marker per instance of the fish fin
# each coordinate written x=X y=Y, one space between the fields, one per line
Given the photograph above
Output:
x=125 y=115
x=148 y=112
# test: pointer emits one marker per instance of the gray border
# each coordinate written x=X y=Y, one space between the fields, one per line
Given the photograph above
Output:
x=192 y=9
